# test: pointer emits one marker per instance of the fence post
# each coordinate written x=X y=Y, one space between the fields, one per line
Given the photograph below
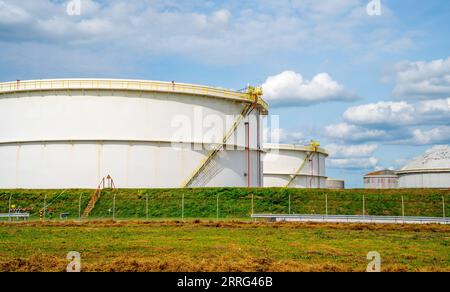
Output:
x=217 y=208
x=403 y=207
x=146 y=206
x=114 y=207
x=443 y=207
x=9 y=208
x=79 y=207
x=182 y=208
x=45 y=208
x=364 y=205
x=326 y=205
x=289 y=204
x=253 y=204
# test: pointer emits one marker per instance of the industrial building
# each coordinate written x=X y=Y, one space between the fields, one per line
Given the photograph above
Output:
x=72 y=133
x=382 y=179
x=294 y=166
x=431 y=170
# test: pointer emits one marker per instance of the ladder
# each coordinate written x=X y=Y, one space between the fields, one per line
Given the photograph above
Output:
x=91 y=205
x=97 y=194
x=206 y=164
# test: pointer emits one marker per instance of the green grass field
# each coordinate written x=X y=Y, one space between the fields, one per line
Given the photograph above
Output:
x=133 y=243
x=225 y=246
x=233 y=203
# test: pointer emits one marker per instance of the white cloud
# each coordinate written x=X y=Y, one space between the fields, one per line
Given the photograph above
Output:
x=348 y=132
x=423 y=80
x=433 y=110
x=431 y=136
x=279 y=135
x=10 y=14
x=352 y=157
x=210 y=31
x=222 y=16
x=396 y=114
x=291 y=89
x=351 y=151
x=353 y=163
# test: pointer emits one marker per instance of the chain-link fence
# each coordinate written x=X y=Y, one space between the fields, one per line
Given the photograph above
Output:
x=215 y=204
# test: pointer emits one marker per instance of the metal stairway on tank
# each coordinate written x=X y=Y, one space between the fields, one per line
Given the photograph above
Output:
x=204 y=171
x=97 y=194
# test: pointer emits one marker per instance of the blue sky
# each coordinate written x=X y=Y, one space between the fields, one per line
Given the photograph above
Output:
x=375 y=90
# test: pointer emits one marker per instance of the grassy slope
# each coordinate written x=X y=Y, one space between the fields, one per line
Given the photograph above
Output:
x=233 y=202
x=223 y=247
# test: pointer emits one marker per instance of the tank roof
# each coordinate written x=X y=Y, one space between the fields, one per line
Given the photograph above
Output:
x=294 y=147
x=128 y=85
x=435 y=159
x=385 y=172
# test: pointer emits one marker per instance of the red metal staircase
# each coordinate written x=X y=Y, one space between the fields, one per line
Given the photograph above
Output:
x=97 y=194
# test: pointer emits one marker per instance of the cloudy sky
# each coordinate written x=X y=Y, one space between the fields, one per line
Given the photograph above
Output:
x=375 y=90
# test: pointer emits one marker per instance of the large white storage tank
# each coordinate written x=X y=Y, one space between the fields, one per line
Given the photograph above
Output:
x=294 y=166
x=431 y=170
x=71 y=133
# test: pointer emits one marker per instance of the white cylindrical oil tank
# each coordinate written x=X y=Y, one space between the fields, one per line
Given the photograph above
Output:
x=382 y=179
x=71 y=133
x=294 y=166
x=335 y=184
x=431 y=170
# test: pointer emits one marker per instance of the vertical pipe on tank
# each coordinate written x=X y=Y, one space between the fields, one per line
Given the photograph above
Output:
x=258 y=155
x=247 y=127
x=311 y=162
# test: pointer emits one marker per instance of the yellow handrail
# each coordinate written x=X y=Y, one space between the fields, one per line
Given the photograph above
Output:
x=217 y=148
x=299 y=170
x=18 y=86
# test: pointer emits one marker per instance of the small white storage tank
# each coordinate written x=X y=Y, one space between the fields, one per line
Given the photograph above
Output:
x=71 y=133
x=336 y=184
x=382 y=179
x=431 y=170
x=294 y=166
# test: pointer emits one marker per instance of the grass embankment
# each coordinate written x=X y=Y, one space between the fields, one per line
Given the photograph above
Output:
x=225 y=246
x=233 y=202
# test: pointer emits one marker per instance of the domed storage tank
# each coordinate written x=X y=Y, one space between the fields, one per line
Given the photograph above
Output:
x=294 y=166
x=71 y=133
x=431 y=170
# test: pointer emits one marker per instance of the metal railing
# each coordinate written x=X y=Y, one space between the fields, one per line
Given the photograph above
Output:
x=15 y=215
x=133 y=85
x=353 y=219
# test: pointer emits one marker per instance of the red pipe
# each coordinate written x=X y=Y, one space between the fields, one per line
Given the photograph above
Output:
x=312 y=171
x=248 y=155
